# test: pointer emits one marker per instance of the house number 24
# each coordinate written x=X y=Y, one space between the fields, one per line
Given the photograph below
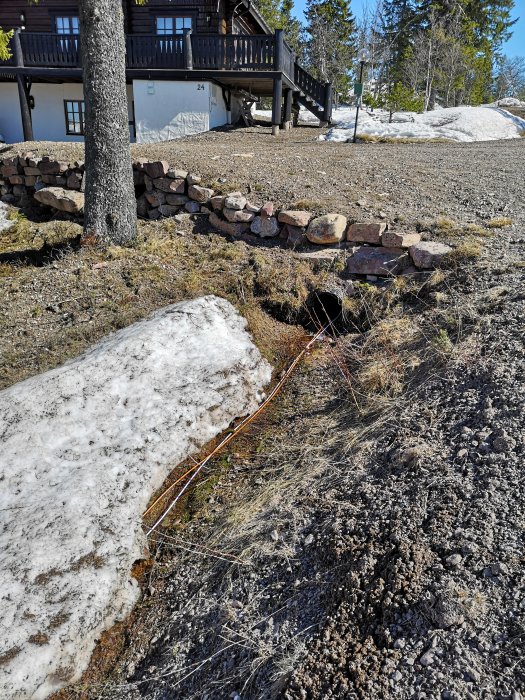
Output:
x=200 y=86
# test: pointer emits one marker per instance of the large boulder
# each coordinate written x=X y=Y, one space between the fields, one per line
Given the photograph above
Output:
x=156 y=168
x=378 y=261
x=58 y=198
x=169 y=185
x=238 y=215
x=329 y=228
x=429 y=254
x=200 y=194
x=235 y=200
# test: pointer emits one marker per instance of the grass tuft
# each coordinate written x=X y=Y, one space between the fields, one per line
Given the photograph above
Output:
x=306 y=204
x=500 y=222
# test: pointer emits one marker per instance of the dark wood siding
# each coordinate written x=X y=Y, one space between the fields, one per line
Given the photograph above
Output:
x=39 y=18
x=209 y=16
x=204 y=13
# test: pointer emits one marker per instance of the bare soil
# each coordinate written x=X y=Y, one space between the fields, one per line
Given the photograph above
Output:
x=407 y=182
x=365 y=538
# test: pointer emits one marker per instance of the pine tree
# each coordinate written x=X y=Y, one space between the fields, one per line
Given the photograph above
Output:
x=399 y=24
x=331 y=42
x=278 y=15
x=110 y=211
x=446 y=49
x=485 y=26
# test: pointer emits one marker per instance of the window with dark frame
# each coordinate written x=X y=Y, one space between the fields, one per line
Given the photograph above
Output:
x=67 y=25
x=170 y=26
x=74 y=111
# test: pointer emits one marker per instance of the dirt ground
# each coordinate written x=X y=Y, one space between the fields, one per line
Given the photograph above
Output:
x=408 y=182
x=365 y=538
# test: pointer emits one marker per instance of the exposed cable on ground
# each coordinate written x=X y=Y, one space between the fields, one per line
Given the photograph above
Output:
x=196 y=469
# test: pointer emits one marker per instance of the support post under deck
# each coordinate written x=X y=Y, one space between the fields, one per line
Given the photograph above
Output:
x=277 y=82
x=25 y=111
x=287 y=121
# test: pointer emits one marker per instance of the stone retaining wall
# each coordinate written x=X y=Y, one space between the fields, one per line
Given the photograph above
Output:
x=163 y=191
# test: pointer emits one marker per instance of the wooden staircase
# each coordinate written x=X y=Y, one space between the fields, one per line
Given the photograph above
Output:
x=312 y=94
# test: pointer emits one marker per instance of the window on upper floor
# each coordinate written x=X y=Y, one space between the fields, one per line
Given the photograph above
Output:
x=74 y=111
x=67 y=25
x=168 y=26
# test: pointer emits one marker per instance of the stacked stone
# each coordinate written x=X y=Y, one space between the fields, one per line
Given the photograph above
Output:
x=168 y=191
x=371 y=249
x=23 y=175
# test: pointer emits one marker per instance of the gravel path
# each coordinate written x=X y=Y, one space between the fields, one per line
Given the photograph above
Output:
x=411 y=181
x=385 y=553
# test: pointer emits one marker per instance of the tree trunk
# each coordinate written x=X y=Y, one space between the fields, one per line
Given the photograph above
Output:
x=110 y=212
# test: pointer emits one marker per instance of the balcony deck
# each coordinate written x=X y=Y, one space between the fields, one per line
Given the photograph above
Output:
x=255 y=63
x=153 y=52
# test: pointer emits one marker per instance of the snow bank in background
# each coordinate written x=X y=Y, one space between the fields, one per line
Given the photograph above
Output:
x=486 y=123
x=83 y=448
x=4 y=221
x=509 y=102
x=465 y=124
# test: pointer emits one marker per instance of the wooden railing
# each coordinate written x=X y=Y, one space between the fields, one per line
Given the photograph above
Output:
x=212 y=52
x=309 y=85
x=53 y=50
x=153 y=51
x=232 y=52
x=189 y=52
x=288 y=61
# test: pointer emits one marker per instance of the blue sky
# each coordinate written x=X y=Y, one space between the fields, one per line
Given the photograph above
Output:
x=515 y=47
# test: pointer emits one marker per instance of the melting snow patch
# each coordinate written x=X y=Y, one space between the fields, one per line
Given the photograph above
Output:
x=464 y=124
x=4 y=221
x=83 y=448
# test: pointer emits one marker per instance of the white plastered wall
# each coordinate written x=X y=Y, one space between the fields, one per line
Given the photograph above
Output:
x=167 y=110
x=10 y=119
x=48 y=115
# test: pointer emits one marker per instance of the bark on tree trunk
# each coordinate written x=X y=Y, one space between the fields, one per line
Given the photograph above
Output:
x=110 y=212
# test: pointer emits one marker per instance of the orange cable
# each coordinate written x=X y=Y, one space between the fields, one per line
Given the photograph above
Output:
x=197 y=467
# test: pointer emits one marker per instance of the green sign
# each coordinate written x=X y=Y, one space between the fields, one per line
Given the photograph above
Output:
x=358 y=89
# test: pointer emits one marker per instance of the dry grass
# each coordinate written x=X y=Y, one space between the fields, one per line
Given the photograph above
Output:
x=500 y=222
x=370 y=138
x=54 y=312
x=26 y=235
x=227 y=186
x=306 y=204
x=450 y=230
x=467 y=251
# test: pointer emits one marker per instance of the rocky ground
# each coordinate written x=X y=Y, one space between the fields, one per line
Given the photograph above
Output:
x=365 y=538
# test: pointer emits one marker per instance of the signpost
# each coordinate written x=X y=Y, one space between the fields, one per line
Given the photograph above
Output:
x=358 y=88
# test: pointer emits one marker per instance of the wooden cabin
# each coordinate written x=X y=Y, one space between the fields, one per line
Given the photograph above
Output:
x=190 y=66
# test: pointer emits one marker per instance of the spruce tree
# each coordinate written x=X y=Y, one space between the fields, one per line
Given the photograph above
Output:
x=278 y=15
x=331 y=42
x=399 y=18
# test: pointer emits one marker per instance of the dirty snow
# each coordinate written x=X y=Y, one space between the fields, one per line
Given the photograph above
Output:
x=4 y=221
x=83 y=448
x=510 y=102
x=466 y=124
